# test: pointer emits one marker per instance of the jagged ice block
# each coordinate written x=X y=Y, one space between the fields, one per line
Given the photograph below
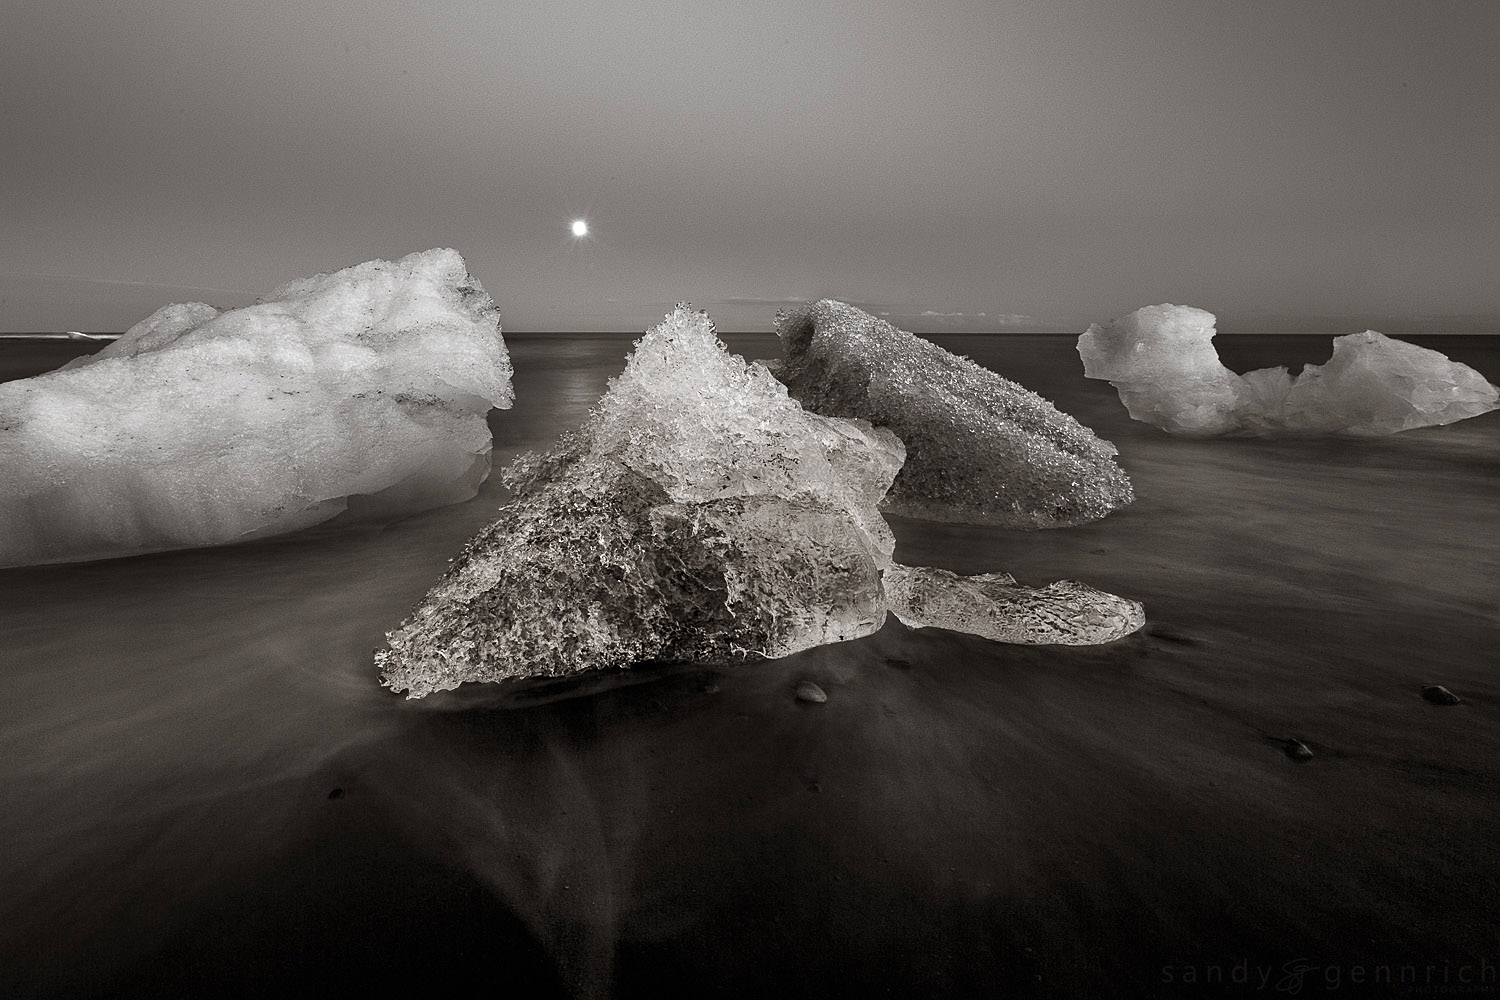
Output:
x=980 y=448
x=1162 y=361
x=365 y=389
x=698 y=514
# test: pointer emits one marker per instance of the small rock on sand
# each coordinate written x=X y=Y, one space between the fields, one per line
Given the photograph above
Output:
x=808 y=691
x=1297 y=750
x=1439 y=695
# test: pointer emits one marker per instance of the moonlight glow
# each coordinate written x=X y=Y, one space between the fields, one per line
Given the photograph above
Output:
x=580 y=227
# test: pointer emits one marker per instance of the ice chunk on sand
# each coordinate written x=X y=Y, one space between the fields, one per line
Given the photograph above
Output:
x=995 y=606
x=699 y=514
x=1162 y=361
x=980 y=448
x=366 y=388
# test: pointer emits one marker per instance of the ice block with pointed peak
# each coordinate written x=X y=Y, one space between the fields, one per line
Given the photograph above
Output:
x=698 y=514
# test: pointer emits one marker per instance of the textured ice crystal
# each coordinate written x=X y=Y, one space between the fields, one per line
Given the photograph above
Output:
x=366 y=388
x=980 y=448
x=995 y=606
x=699 y=514
x=1162 y=361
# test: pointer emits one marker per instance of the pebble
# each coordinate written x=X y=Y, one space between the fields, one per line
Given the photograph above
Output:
x=1439 y=695
x=808 y=691
x=337 y=793
x=1297 y=750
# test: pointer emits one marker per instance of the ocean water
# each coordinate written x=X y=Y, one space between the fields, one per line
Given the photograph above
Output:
x=206 y=792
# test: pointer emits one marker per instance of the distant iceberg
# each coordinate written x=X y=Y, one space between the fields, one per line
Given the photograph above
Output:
x=363 y=388
x=1162 y=361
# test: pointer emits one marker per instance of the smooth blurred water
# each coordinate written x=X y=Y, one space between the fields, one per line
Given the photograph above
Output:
x=204 y=789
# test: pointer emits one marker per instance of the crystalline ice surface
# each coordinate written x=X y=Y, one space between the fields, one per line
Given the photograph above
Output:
x=1162 y=361
x=699 y=514
x=995 y=606
x=366 y=389
x=980 y=448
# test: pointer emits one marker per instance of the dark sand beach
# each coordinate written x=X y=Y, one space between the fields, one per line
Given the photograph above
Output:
x=207 y=793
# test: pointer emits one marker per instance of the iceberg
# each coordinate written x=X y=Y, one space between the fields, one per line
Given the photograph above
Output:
x=1162 y=361
x=980 y=448
x=699 y=514
x=363 y=390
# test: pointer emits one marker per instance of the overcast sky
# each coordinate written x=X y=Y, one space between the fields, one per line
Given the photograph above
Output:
x=959 y=165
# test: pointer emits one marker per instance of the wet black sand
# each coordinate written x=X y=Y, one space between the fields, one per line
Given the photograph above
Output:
x=206 y=794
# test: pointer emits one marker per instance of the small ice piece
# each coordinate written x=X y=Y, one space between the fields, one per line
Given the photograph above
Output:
x=980 y=448
x=1162 y=361
x=698 y=514
x=993 y=605
x=366 y=389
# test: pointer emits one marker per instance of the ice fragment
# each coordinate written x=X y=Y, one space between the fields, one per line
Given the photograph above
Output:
x=993 y=605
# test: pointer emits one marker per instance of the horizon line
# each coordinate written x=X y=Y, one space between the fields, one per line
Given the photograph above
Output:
x=84 y=337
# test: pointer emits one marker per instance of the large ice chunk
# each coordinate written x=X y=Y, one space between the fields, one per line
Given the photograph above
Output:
x=366 y=388
x=699 y=514
x=980 y=448
x=1162 y=361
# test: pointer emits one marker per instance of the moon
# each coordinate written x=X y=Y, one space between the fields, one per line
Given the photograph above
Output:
x=580 y=227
